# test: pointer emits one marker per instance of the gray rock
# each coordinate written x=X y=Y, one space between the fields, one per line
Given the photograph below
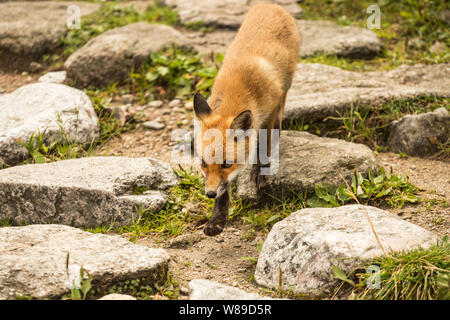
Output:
x=33 y=261
x=317 y=36
x=327 y=37
x=54 y=77
x=201 y=289
x=153 y=125
x=306 y=245
x=120 y=113
x=30 y=29
x=306 y=160
x=57 y=111
x=110 y=56
x=222 y=13
x=83 y=192
x=319 y=91
x=117 y=296
x=420 y=135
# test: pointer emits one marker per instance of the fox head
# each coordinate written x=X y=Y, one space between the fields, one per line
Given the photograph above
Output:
x=223 y=144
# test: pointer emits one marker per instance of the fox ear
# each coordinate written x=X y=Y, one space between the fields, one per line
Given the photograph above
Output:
x=243 y=121
x=201 y=107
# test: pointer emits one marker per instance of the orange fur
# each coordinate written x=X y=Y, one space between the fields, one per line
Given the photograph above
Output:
x=255 y=75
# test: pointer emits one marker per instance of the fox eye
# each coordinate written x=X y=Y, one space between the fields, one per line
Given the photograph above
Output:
x=204 y=164
x=226 y=165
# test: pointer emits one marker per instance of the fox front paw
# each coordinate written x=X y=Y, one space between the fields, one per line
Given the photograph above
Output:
x=213 y=228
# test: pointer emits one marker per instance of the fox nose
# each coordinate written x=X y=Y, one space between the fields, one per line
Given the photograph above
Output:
x=211 y=194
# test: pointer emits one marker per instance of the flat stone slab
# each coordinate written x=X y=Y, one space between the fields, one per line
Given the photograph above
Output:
x=306 y=160
x=56 y=111
x=420 y=134
x=307 y=244
x=201 y=289
x=317 y=36
x=320 y=36
x=83 y=192
x=110 y=56
x=222 y=13
x=319 y=91
x=30 y=29
x=33 y=261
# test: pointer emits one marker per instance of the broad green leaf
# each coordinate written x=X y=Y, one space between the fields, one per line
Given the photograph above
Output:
x=383 y=193
x=38 y=157
x=163 y=71
x=340 y=274
x=151 y=76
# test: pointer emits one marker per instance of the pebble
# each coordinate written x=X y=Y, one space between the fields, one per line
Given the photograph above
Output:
x=155 y=104
x=165 y=112
x=35 y=67
x=184 y=291
x=127 y=99
x=175 y=103
x=437 y=47
x=153 y=125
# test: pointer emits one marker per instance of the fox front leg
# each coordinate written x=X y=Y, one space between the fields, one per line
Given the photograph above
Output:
x=220 y=213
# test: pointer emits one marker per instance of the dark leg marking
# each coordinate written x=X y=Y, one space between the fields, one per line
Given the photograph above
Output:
x=219 y=216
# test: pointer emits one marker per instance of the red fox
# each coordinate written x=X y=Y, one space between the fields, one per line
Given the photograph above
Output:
x=249 y=92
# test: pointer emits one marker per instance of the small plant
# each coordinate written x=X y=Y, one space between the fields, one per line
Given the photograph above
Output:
x=39 y=152
x=148 y=288
x=36 y=147
x=174 y=72
x=79 y=292
x=396 y=190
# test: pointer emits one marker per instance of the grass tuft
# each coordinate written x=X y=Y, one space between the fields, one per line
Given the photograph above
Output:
x=419 y=274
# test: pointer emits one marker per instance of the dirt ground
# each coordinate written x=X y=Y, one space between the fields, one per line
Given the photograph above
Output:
x=222 y=258
x=11 y=81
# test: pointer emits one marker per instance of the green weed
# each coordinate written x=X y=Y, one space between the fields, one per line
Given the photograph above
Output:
x=173 y=72
x=394 y=190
